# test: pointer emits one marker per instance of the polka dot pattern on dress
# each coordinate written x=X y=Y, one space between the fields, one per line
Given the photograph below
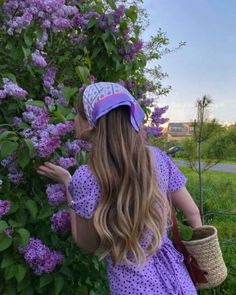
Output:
x=164 y=273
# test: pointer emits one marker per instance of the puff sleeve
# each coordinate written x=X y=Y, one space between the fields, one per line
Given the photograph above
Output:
x=85 y=192
x=176 y=179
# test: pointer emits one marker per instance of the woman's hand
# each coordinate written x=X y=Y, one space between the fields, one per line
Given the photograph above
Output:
x=54 y=172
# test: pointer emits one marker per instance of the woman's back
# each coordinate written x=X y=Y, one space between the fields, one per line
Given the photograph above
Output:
x=164 y=272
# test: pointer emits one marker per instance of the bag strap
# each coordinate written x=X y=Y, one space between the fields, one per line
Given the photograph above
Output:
x=197 y=275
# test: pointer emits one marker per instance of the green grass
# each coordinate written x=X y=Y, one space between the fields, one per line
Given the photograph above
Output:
x=220 y=196
x=231 y=161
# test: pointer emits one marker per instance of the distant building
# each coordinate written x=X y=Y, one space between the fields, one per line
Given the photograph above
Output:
x=180 y=129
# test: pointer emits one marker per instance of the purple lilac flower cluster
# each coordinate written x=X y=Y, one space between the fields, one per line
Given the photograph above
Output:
x=56 y=194
x=139 y=90
x=56 y=92
x=49 y=14
x=131 y=51
x=49 y=101
x=82 y=20
x=60 y=221
x=5 y=206
x=44 y=143
x=60 y=129
x=157 y=120
x=11 y=89
x=157 y=113
x=16 y=122
x=111 y=21
x=38 y=60
x=40 y=258
x=37 y=116
x=49 y=77
x=45 y=137
x=78 y=39
x=15 y=175
x=66 y=162
x=74 y=147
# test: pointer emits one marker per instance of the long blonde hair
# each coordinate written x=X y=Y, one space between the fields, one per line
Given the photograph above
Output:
x=131 y=202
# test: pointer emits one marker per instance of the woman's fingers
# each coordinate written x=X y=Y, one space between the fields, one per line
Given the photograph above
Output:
x=50 y=165
x=43 y=169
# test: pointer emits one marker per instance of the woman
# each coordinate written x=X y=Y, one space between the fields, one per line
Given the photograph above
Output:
x=118 y=201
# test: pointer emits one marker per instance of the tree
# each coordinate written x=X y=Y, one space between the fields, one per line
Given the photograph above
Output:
x=203 y=130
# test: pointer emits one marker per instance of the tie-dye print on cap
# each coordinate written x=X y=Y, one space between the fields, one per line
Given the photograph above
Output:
x=100 y=98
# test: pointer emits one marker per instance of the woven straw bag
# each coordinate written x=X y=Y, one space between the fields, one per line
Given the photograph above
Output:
x=206 y=250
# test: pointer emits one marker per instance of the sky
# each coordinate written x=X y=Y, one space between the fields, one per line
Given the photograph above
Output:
x=207 y=64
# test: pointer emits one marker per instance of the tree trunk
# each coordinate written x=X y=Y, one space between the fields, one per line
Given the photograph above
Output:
x=200 y=183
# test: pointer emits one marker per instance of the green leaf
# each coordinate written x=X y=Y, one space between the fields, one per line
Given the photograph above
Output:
x=62 y=110
x=82 y=158
x=24 y=235
x=23 y=284
x=186 y=232
x=3 y=226
x=45 y=212
x=92 y=22
x=95 y=52
x=30 y=146
x=23 y=158
x=14 y=208
x=5 y=242
x=82 y=72
x=8 y=147
x=44 y=280
x=28 y=38
x=38 y=103
x=83 y=290
x=59 y=116
x=32 y=207
x=70 y=116
x=15 y=224
x=9 y=272
x=131 y=12
x=7 y=261
x=101 y=62
x=105 y=36
x=68 y=92
x=58 y=283
x=96 y=263
x=26 y=52
x=20 y=272
x=7 y=134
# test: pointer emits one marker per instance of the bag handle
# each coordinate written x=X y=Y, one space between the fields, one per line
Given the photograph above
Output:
x=197 y=275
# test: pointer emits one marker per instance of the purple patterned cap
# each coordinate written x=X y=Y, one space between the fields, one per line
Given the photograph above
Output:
x=100 y=98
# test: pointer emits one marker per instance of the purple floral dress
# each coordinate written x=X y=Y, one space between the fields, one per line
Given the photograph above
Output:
x=164 y=273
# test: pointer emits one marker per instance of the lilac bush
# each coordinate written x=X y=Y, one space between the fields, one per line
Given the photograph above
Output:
x=50 y=50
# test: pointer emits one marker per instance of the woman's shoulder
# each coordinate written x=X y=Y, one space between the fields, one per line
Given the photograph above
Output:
x=83 y=172
x=158 y=152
